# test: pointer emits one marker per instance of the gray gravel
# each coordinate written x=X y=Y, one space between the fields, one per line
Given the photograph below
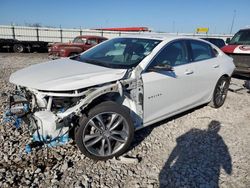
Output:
x=204 y=147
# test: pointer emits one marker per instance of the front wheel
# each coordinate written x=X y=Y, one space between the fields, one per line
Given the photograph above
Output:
x=106 y=131
x=220 y=92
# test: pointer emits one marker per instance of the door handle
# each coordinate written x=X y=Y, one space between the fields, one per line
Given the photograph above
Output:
x=188 y=72
x=216 y=66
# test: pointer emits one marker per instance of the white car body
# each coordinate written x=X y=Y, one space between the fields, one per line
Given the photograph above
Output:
x=150 y=96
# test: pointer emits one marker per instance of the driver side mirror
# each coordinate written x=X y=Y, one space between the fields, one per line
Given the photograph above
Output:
x=228 y=40
x=161 y=67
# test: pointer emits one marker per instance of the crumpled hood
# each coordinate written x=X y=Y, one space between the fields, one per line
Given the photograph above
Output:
x=64 y=75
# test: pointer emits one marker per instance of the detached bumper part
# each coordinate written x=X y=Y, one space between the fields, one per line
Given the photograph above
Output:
x=49 y=131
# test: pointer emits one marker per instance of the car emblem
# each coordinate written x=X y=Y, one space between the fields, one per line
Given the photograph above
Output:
x=244 y=48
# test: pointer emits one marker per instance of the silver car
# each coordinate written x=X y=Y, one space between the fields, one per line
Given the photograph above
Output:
x=124 y=84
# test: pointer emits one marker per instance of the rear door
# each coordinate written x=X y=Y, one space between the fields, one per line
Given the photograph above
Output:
x=207 y=68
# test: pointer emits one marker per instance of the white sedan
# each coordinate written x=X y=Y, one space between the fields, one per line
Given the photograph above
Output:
x=117 y=87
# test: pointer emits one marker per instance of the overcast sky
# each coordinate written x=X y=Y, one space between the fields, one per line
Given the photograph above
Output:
x=161 y=15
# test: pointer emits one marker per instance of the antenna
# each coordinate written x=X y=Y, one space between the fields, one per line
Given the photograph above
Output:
x=233 y=22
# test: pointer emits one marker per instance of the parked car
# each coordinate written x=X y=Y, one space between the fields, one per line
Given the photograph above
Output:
x=216 y=41
x=79 y=45
x=122 y=85
x=239 y=49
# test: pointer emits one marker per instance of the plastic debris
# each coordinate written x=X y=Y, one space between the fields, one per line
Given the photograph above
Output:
x=51 y=142
x=13 y=119
x=126 y=160
x=28 y=149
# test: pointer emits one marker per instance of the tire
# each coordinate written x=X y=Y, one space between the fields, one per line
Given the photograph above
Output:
x=18 y=48
x=220 y=92
x=105 y=132
x=247 y=84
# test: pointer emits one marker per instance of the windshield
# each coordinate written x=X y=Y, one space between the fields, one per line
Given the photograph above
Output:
x=242 y=37
x=119 y=52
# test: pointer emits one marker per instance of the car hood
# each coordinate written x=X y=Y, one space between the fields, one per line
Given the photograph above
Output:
x=64 y=75
x=58 y=46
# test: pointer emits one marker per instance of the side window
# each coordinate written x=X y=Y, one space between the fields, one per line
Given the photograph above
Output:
x=173 y=54
x=79 y=40
x=92 y=42
x=201 y=50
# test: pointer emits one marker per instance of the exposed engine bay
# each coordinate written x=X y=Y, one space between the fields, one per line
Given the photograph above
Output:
x=50 y=116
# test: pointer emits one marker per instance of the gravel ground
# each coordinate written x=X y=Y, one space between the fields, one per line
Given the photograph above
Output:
x=204 y=147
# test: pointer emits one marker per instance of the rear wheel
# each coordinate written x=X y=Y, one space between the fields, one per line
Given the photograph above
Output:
x=18 y=48
x=106 y=131
x=220 y=92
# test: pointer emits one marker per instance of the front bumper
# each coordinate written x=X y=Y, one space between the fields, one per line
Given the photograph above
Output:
x=54 y=55
x=242 y=71
x=242 y=63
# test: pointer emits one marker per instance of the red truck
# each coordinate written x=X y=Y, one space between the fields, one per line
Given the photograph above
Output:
x=78 y=45
x=239 y=49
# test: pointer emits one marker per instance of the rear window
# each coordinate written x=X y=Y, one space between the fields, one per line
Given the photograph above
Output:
x=201 y=50
x=217 y=42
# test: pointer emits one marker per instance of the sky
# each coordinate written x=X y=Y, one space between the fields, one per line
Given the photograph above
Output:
x=159 y=15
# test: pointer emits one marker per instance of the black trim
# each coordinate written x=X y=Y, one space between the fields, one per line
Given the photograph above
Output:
x=169 y=43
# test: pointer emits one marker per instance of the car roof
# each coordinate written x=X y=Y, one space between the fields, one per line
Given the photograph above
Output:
x=212 y=38
x=91 y=36
x=244 y=29
x=162 y=37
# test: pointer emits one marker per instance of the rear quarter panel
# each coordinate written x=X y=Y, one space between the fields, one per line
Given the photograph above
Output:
x=226 y=64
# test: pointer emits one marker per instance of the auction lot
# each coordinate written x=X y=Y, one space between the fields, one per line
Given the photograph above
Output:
x=183 y=151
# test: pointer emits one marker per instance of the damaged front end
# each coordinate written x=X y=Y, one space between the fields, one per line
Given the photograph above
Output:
x=18 y=107
x=39 y=112
x=51 y=115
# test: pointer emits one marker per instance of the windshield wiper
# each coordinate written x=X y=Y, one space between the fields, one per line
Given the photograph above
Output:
x=95 y=62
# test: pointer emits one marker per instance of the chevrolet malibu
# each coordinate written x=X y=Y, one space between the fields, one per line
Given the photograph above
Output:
x=105 y=94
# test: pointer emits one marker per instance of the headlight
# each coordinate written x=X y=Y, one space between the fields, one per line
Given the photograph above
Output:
x=19 y=105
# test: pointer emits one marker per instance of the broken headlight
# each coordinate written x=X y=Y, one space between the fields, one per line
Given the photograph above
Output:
x=19 y=105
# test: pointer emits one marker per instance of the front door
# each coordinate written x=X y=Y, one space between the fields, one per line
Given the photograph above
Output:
x=168 y=92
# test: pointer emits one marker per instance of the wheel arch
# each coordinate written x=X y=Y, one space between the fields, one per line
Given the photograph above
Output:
x=111 y=96
x=225 y=75
x=212 y=92
x=124 y=101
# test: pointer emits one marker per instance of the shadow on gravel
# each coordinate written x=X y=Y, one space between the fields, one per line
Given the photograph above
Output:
x=197 y=159
x=141 y=134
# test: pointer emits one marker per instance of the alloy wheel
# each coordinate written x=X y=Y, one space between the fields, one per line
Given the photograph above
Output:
x=221 y=92
x=105 y=134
